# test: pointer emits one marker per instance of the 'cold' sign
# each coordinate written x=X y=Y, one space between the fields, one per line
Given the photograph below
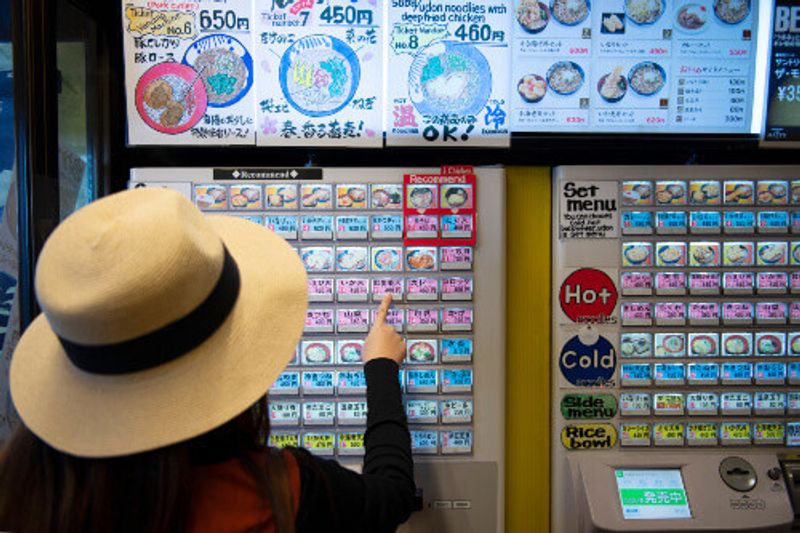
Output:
x=588 y=365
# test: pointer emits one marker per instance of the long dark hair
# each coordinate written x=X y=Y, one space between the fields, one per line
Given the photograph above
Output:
x=43 y=490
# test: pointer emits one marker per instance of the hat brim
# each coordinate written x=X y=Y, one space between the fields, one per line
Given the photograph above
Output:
x=91 y=415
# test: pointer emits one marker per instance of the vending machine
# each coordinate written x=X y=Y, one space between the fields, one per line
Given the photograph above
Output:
x=432 y=239
x=676 y=348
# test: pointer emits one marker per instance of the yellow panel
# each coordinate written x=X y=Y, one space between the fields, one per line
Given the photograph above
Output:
x=528 y=349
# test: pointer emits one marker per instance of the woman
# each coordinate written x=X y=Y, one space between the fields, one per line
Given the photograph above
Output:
x=141 y=386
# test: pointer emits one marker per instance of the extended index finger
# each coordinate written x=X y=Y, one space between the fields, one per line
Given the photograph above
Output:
x=380 y=316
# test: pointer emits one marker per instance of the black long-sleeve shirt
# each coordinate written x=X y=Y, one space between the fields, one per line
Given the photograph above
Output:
x=334 y=498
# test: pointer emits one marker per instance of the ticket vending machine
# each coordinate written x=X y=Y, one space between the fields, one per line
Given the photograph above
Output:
x=676 y=348
x=360 y=234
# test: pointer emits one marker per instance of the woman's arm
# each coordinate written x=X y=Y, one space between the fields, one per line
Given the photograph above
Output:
x=382 y=497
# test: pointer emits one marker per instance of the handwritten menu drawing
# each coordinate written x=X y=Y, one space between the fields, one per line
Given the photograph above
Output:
x=449 y=62
x=189 y=72
x=320 y=72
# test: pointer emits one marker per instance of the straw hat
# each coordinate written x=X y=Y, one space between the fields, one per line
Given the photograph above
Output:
x=159 y=324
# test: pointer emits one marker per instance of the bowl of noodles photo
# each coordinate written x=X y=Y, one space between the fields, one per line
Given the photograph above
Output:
x=647 y=78
x=533 y=15
x=570 y=12
x=612 y=86
x=644 y=12
x=731 y=11
x=224 y=65
x=171 y=98
x=565 y=77
x=450 y=78
x=319 y=75
x=692 y=18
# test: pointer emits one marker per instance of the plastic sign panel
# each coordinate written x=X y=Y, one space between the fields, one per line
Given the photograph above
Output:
x=189 y=72
x=783 y=98
x=448 y=69
x=633 y=66
x=320 y=68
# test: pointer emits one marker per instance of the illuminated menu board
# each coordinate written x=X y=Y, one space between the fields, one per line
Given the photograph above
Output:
x=783 y=99
x=660 y=66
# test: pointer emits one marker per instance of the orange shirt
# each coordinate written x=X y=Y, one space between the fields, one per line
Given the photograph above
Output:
x=226 y=497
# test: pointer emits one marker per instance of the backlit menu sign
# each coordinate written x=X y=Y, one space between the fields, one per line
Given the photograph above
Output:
x=661 y=66
x=783 y=99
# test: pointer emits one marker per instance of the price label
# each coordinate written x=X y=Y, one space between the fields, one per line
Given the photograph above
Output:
x=381 y=286
x=422 y=289
x=669 y=374
x=351 y=412
x=705 y=222
x=634 y=434
x=701 y=434
x=703 y=373
x=422 y=411
x=352 y=289
x=319 y=413
x=351 y=443
x=737 y=373
x=768 y=433
x=352 y=320
x=702 y=403
x=319 y=443
x=668 y=434
x=456 y=380
x=634 y=404
x=284 y=413
x=636 y=283
x=635 y=375
x=671 y=223
x=352 y=227
x=319 y=320
x=735 y=433
x=702 y=283
x=351 y=382
x=637 y=223
x=318 y=382
x=456 y=319
x=669 y=283
x=736 y=403
x=422 y=381
x=457 y=441
x=456 y=411
x=424 y=442
x=770 y=373
x=455 y=350
x=283 y=440
x=288 y=383
x=284 y=225
x=457 y=288
x=320 y=289
x=457 y=226
x=316 y=227
x=456 y=258
x=668 y=403
x=424 y=319
x=387 y=226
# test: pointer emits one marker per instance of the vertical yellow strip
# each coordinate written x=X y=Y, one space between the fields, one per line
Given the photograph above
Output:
x=528 y=252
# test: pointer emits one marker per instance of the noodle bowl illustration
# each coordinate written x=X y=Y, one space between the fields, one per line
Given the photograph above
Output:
x=319 y=75
x=225 y=66
x=450 y=78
